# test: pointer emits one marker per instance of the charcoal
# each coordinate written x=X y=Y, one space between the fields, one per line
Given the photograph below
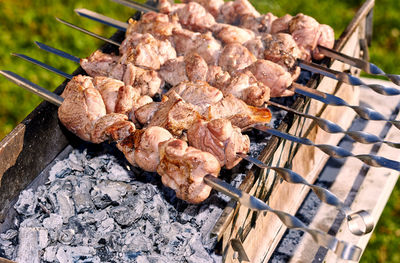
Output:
x=76 y=254
x=122 y=215
x=66 y=236
x=81 y=195
x=200 y=255
x=27 y=202
x=115 y=190
x=50 y=254
x=54 y=221
x=9 y=234
x=31 y=241
x=93 y=210
x=107 y=225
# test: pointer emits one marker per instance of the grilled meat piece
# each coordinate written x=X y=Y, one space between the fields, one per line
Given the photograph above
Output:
x=235 y=57
x=200 y=94
x=259 y=24
x=148 y=82
x=281 y=24
x=183 y=168
x=191 y=67
x=232 y=34
x=305 y=31
x=217 y=77
x=105 y=65
x=221 y=139
x=213 y=7
x=238 y=112
x=246 y=87
x=175 y=115
x=273 y=76
x=82 y=106
x=205 y=45
x=283 y=50
x=111 y=123
x=102 y=64
x=145 y=51
x=326 y=39
x=192 y=15
x=147 y=143
x=232 y=11
x=145 y=113
x=109 y=90
x=158 y=25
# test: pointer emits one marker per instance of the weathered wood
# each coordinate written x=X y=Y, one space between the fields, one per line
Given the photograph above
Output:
x=371 y=195
x=261 y=233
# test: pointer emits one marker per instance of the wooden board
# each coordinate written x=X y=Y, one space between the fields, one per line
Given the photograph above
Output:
x=370 y=189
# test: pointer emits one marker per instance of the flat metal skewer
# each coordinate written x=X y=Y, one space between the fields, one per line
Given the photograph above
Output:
x=326 y=125
x=366 y=66
x=310 y=66
x=363 y=112
x=367 y=222
x=342 y=249
x=331 y=127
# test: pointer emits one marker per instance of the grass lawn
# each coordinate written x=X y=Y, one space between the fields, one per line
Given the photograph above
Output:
x=22 y=22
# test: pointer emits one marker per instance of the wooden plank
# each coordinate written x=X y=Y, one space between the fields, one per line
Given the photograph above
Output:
x=371 y=195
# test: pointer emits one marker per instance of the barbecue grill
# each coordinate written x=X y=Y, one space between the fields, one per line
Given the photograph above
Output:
x=29 y=149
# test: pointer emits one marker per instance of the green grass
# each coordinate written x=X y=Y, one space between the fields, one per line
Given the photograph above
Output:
x=22 y=22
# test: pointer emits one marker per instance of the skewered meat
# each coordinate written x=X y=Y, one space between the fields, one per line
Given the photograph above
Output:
x=205 y=45
x=259 y=24
x=148 y=82
x=235 y=57
x=326 y=39
x=159 y=25
x=232 y=11
x=199 y=94
x=109 y=90
x=246 y=87
x=217 y=77
x=305 y=31
x=101 y=129
x=273 y=76
x=100 y=64
x=192 y=15
x=281 y=24
x=82 y=106
x=183 y=168
x=238 y=112
x=221 y=139
x=283 y=50
x=232 y=34
x=175 y=115
x=213 y=7
x=145 y=51
x=145 y=113
x=147 y=142
x=192 y=67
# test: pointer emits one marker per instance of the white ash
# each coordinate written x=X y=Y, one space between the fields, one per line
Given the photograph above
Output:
x=92 y=209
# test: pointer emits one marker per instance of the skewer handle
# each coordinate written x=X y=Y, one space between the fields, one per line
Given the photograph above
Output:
x=359 y=222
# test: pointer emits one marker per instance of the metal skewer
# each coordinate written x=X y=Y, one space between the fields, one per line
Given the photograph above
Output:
x=326 y=196
x=331 y=127
x=326 y=125
x=363 y=112
x=366 y=66
x=310 y=66
x=333 y=151
x=342 y=249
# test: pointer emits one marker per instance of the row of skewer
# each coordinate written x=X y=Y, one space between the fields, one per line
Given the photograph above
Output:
x=121 y=129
